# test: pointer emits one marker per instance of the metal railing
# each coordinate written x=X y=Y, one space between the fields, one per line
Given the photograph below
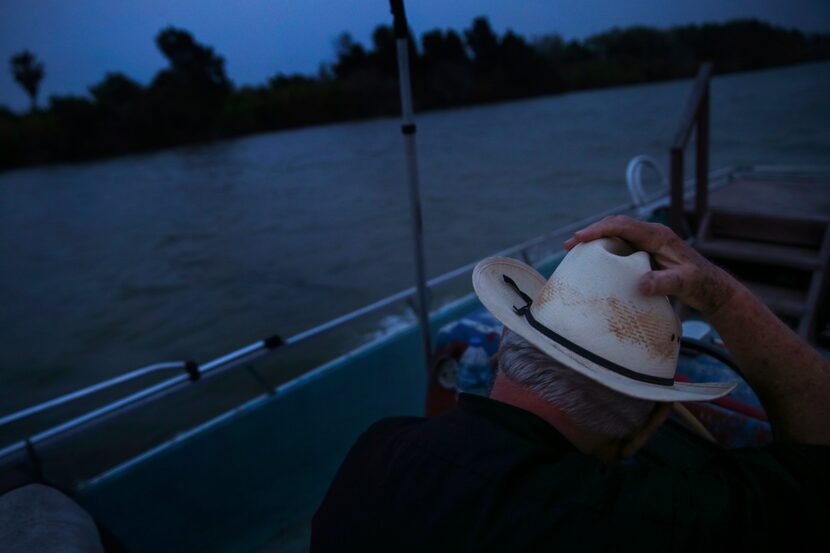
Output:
x=634 y=179
x=695 y=115
x=89 y=390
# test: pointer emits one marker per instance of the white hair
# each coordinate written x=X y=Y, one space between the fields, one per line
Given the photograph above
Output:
x=589 y=405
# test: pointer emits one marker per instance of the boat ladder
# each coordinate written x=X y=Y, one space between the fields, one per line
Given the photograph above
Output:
x=782 y=258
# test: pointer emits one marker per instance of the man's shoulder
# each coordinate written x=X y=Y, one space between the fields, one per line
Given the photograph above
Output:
x=392 y=424
x=391 y=427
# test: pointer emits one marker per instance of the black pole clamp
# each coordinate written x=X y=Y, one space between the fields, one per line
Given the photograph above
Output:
x=192 y=369
x=273 y=342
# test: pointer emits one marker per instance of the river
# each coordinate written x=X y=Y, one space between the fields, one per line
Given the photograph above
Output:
x=191 y=252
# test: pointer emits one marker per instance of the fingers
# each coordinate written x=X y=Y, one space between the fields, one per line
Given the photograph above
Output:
x=570 y=243
x=668 y=282
x=645 y=236
x=677 y=276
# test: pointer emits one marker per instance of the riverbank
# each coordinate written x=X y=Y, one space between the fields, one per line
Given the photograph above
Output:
x=187 y=104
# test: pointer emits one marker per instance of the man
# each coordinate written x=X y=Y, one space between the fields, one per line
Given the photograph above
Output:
x=585 y=378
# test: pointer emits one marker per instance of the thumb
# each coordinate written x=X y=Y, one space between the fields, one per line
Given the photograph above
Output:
x=668 y=282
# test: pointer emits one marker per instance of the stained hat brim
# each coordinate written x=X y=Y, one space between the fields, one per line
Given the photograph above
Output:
x=499 y=298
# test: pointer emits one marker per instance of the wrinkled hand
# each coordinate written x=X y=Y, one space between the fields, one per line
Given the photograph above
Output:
x=682 y=272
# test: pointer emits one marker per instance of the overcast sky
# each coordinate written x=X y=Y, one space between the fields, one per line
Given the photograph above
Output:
x=80 y=40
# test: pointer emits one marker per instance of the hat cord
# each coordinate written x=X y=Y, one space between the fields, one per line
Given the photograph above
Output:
x=525 y=312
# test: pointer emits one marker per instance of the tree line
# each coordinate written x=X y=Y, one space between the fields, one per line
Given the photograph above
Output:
x=193 y=100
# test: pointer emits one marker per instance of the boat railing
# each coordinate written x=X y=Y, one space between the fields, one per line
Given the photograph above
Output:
x=695 y=117
x=634 y=180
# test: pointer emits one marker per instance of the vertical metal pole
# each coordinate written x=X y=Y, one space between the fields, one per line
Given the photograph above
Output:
x=702 y=155
x=676 y=206
x=408 y=130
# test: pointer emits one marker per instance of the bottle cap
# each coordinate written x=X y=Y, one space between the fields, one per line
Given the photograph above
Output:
x=475 y=341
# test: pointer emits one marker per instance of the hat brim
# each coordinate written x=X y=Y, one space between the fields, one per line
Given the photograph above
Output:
x=499 y=299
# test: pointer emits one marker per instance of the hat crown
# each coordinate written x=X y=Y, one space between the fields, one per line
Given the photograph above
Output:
x=590 y=317
x=593 y=300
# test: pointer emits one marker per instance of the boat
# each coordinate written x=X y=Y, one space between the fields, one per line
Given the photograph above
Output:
x=249 y=479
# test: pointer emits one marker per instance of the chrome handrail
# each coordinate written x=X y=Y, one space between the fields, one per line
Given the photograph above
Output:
x=132 y=375
x=634 y=178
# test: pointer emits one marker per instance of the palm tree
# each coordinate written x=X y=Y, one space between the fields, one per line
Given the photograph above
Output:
x=28 y=72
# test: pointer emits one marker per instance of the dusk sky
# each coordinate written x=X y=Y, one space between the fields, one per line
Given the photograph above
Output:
x=81 y=40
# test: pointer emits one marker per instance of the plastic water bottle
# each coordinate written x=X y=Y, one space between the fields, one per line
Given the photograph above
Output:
x=474 y=374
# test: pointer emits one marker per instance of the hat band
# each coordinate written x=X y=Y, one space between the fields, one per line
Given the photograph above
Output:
x=579 y=350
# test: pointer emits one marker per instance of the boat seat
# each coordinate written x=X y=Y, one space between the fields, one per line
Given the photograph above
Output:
x=42 y=519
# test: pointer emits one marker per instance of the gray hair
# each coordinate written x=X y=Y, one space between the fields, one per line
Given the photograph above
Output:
x=589 y=405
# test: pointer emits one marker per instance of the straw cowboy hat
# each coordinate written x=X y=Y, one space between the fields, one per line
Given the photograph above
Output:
x=591 y=317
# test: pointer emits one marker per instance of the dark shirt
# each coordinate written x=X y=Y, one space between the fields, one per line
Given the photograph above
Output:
x=487 y=476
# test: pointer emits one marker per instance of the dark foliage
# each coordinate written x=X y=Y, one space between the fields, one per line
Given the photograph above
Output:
x=28 y=73
x=193 y=100
x=184 y=101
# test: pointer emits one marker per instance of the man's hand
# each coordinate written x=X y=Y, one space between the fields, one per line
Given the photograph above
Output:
x=791 y=378
x=682 y=272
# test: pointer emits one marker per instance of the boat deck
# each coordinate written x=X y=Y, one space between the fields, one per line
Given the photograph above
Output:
x=795 y=196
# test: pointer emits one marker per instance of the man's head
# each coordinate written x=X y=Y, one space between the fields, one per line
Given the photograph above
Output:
x=595 y=418
x=587 y=404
